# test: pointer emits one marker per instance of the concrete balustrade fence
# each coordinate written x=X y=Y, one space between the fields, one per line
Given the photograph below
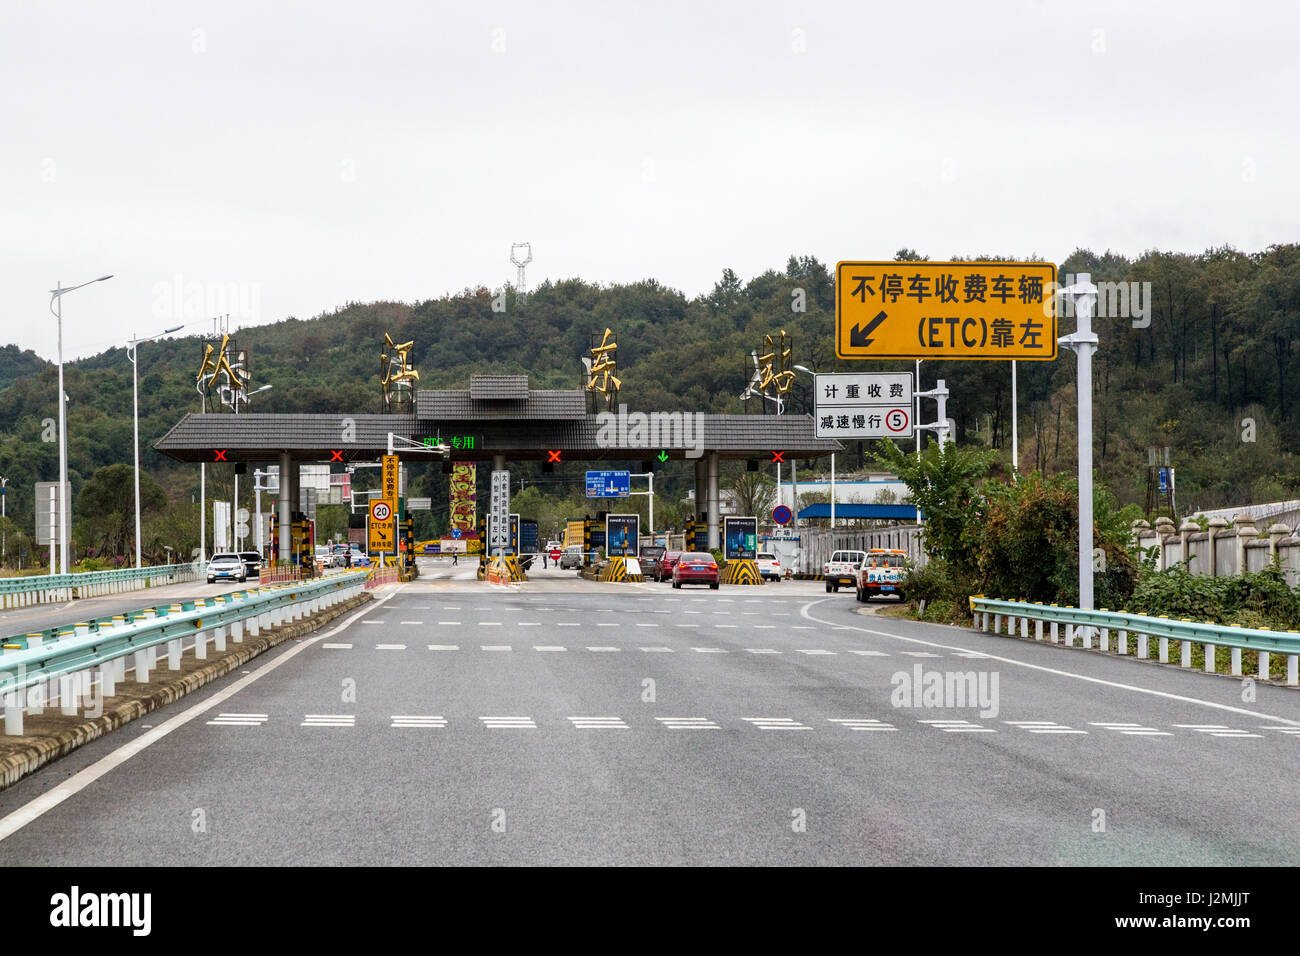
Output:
x=65 y=665
x=58 y=588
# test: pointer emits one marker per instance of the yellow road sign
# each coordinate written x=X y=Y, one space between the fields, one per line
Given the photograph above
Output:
x=388 y=483
x=381 y=526
x=945 y=310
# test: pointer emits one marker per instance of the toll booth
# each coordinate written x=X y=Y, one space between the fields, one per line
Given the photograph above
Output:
x=302 y=542
x=406 y=546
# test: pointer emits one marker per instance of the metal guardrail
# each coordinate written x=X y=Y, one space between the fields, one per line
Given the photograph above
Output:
x=28 y=675
x=991 y=614
x=40 y=589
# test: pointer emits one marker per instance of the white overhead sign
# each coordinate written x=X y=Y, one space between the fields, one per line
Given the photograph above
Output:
x=854 y=405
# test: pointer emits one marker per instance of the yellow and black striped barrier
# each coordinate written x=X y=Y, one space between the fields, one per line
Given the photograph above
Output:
x=504 y=569
x=741 y=571
x=616 y=570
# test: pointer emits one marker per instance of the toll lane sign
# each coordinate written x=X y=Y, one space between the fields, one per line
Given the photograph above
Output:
x=381 y=536
x=952 y=310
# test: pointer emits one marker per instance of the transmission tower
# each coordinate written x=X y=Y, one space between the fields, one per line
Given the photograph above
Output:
x=521 y=287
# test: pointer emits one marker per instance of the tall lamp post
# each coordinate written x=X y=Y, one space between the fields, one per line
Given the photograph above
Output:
x=132 y=347
x=4 y=550
x=56 y=308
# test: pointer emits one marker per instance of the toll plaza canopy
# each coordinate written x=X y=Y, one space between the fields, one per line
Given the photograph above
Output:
x=497 y=417
x=500 y=419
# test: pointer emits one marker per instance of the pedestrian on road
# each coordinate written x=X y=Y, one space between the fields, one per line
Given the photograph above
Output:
x=455 y=557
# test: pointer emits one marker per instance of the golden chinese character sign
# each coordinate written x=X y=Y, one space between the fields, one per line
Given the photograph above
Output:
x=396 y=375
x=945 y=310
x=226 y=368
x=776 y=366
x=604 y=363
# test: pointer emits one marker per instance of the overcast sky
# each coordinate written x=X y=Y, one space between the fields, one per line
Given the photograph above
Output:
x=303 y=155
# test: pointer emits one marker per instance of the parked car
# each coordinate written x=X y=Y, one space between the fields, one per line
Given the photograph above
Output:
x=651 y=556
x=881 y=575
x=324 y=557
x=842 y=569
x=571 y=557
x=696 y=567
x=769 y=566
x=228 y=567
x=252 y=562
x=665 y=571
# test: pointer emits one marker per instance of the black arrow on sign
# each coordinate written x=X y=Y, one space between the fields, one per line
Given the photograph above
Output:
x=860 y=338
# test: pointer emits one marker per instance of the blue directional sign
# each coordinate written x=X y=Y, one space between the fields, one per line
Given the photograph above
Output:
x=455 y=532
x=609 y=484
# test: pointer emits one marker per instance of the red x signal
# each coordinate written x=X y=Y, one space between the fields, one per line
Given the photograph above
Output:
x=336 y=455
x=219 y=453
x=777 y=456
x=552 y=456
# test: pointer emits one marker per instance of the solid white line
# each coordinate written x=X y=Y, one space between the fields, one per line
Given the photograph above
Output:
x=15 y=821
x=803 y=611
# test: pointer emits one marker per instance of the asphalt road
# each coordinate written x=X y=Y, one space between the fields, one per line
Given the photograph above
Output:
x=570 y=722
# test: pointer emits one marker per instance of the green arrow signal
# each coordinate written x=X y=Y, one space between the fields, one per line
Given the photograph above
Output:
x=663 y=456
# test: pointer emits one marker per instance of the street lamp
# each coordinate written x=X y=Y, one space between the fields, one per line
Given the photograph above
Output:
x=4 y=552
x=56 y=308
x=132 y=347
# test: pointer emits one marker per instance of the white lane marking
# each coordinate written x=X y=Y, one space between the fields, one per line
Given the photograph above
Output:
x=802 y=627
x=488 y=623
x=509 y=723
x=815 y=650
x=451 y=607
x=238 y=720
x=647 y=625
x=861 y=723
x=598 y=723
x=804 y=612
x=411 y=622
x=688 y=723
x=495 y=647
x=603 y=649
x=411 y=720
x=372 y=622
x=337 y=647
x=1043 y=727
x=685 y=625
x=868 y=653
x=452 y=623
x=973 y=655
x=1130 y=729
x=762 y=650
x=530 y=624
x=606 y=624
x=444 y=647
x=959 y=727
x=390 y=647
x=776 y=723
x=658 y=650
x=918 y=654
x=566 y=624
x=1293 y=731
x=1217 y=730
x=763 y=626
x=19 y=818
x=708 y=650
x=329 y=720
x=548 y=647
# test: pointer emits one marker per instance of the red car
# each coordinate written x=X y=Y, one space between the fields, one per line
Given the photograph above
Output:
x=665 y=570
x=696 y=567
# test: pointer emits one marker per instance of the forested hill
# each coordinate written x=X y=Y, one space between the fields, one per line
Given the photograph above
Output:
x=1217 y=355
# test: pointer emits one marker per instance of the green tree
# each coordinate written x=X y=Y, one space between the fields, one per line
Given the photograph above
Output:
x=105 y=508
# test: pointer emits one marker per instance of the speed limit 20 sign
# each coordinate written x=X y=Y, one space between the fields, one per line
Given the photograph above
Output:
x=382 y=532
x=864 y=405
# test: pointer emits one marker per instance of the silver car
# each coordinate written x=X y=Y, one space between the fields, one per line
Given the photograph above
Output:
x=571 y=557
x=228 y=567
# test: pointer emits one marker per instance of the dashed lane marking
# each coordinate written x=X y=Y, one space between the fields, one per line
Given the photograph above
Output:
x=508 y=723
x=390 y=647
x=1131 y=730
x=444 y=647
x=495 y=647
x=868 y=653
x=598 y=723
x=762 y=650
x=1043 y=727
x=337 y=647
x=410 y=720
x=1217 y=730
x=861 y=723
x=815 y=651
x=776 y=723
x=238 y=720
x=688 y=723
x=959 y=727
x=918 y=654
x=329 y=720
x=708 y=650
x=658 y=650
x=548 y=647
